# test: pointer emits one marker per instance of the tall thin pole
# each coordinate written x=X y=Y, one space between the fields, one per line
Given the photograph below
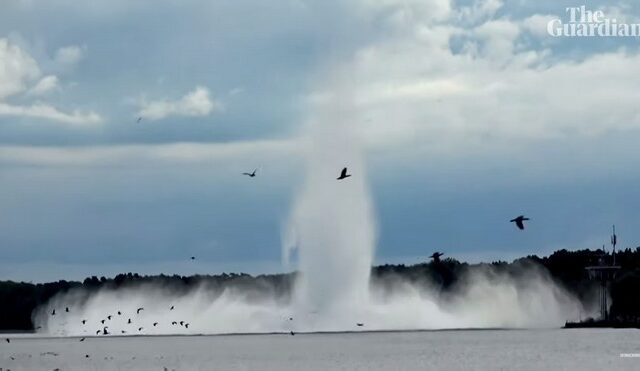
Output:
x=614 y=241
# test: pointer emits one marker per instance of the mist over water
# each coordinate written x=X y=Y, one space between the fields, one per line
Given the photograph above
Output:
x=332 y=227
x=483 y=298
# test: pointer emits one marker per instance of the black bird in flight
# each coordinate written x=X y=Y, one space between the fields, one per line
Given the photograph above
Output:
x=140 y=328
x=343 y=174
x=186 y=325
x=436 y=256
x=139 y=309
x=155 y=324
x=251 y=174
x=109 y=317
x=519 y=221
x=98 y=332
x=86 y=356
x=292 y=333
x=119 y=313
x=360 y=324
x=171 y=308
x=66 y=309
x=102 y=321
x=82 y=339
x=84 y=321
x=53 y=312
x=193 y=258
x=138 y=120
x=8 y=341
x=104 y=330
x=129 y=320
x=181 y=323
x=123 y=331
x=174 y=323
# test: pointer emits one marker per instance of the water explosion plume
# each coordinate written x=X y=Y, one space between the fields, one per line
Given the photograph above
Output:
x=332 y=223
x=333 y=229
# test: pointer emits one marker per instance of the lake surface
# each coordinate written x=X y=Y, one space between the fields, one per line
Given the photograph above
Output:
x=550 y=349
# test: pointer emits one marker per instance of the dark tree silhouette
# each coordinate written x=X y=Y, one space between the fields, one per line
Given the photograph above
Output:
x=19 y=299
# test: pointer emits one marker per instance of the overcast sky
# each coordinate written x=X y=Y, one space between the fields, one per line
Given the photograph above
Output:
x=469 y=112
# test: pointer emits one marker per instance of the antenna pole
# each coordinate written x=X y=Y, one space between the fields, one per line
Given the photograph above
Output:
x=614 y=241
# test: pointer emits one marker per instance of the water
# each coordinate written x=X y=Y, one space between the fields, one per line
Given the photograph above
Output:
x=550 y=349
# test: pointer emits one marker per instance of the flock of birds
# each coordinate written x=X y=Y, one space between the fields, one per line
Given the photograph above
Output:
x=519 y=222
x=105 y=329
x=108 y=317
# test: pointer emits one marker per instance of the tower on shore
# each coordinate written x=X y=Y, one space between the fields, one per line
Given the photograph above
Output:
x=605 y=272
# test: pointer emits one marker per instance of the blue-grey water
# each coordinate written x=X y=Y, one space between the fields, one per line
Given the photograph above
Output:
x=550 y=349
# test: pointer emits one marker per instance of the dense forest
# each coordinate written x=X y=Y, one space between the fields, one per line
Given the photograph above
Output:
x=567 y=268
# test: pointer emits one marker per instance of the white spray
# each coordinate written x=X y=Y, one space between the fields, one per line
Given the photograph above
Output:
x=332 y=223
x=333 y=228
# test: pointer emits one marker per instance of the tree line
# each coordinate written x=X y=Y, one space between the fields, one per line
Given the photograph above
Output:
x=567 y=268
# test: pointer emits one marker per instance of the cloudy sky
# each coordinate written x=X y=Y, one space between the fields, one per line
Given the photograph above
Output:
x=125 y=125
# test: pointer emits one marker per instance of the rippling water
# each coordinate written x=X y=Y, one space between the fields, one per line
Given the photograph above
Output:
x=584 y=349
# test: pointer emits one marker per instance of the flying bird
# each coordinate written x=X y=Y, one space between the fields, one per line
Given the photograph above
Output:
x=343 y=174
x=109 y=317
x=292 y=333
x=436 y=256
x=102 y=321
x=138 y=120
x=186 y=325
x=251 y=174
x=84 y=321
x=519 y=221
x=104 y=330
x=98 y=332
x=53 y=312
x=140 y=328
x=66 y=309
x=82 y=339
x=174 y=323
x=360 y=324
x=8 y=341
x=139 y=309
x=129 y=321
x=119 y=313
x=171 y=308
x=193 y=258
x=155 y=324
x=181 y=323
